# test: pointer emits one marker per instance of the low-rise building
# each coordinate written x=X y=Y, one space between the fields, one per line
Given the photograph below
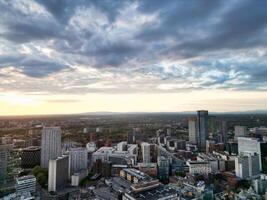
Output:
x=199 y=167
x=26 y=184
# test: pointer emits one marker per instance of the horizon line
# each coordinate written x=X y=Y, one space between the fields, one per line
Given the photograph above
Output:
x=136 y=112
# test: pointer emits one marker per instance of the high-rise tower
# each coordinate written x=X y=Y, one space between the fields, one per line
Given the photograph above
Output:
x=51 y=144
x=202 y=128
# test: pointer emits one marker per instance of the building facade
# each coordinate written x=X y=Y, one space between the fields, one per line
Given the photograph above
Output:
x=4 y=155
x=26 y=184
x=202 y=128
x=251 y=146
x=51 y=144
x=30 y=157
x=58 y=173
x=78 y=159
x=247 y=166
x=192 y=130
x=240 y=131
x=145 y=152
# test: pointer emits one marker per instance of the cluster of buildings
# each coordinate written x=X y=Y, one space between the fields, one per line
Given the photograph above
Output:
x=211 y=162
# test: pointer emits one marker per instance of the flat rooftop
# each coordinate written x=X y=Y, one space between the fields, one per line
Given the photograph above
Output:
x=156 y=193
x=138 y=174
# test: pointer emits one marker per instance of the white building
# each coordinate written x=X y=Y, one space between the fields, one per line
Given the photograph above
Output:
x=247 y=166
x=217 y=164
x=249 y=146
x=51 y=144
x=132 y=149
x=91 y=147
x=58 y=173
x=77 y=177
x=102 y=154
x=122 y=146
x=199 y=167
x=78 y=159
x=240 y=131
x=192 y=130
x=26 y=184
x=109 y=154
x=145 y=152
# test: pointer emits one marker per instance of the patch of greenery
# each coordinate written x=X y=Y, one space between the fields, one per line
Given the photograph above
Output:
x=182 y=174
x=86 y=180
x=41 y=175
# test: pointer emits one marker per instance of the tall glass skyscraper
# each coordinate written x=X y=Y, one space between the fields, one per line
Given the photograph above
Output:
x=202 y=128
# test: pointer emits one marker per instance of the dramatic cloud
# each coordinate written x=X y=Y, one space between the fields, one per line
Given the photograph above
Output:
x=111 y=46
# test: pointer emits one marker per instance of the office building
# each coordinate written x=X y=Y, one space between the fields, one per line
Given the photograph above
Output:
x=132 y=149
x=122 y=146
x=202 y=128
x=77 y=177
x=30 y=157
x=109 y=154
x=102 y=168
x=150 y=169
x=58 y=173
x=216 y=161
x=4 y=159
x=162 y=192
x=139 y=179
x=134 y=135
x=247 y=165
x=199 y=167
x=78 y=159
x=136 y=185
x=223 y=131
x=250 y=145
x=145 y=152
x=232 y=147
x=51 y=144
x=192 y=130
x=260 y=184
x=26 y=184
x=212 y=126
x=163 y=169
x=240 y=131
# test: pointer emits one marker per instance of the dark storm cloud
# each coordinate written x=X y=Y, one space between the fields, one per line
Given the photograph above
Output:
x=177 y=18
x=25 y=32
x=63 y=10
x=32 y=67
x=39 y=68
x=243 y=26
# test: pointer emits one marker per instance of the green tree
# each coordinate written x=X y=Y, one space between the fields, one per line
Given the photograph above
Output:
x=41 y=175
x=42 y=179
x=36 y=170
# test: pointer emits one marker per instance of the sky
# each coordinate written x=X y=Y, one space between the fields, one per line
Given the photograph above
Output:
x=65 y=56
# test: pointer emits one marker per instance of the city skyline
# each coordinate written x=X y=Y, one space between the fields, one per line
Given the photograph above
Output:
x=64 y=57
